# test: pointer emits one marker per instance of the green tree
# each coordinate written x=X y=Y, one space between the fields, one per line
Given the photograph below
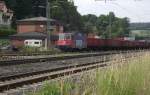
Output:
x=90 y=22
x=22 y=9
x=102 y=24
x=63 y=11
x=106 y=26
x=67 y=13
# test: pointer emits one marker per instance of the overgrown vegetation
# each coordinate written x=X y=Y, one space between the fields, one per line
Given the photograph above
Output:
x=130 y=78
x=4 y=42
x=33 y=50
x=5 y=32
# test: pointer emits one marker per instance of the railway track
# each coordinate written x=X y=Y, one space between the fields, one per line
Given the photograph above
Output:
x=24 y=53
x=34 y=77
x=12 y=82
x=45 y=58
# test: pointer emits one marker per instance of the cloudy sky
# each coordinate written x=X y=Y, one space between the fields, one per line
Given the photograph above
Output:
x=136 y=10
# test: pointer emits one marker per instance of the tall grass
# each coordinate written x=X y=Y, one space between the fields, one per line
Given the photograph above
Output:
x=4 y=42
x=129 y=77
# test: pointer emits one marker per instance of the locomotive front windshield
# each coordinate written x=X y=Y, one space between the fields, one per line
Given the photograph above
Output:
x=61 y=36
x=64 y=36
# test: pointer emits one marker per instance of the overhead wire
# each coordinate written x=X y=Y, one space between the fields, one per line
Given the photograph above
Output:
x=123 y=8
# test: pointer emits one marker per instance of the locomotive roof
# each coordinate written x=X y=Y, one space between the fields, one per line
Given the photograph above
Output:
x=70 y=32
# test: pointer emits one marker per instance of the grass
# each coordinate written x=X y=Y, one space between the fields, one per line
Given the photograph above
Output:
x=130 y=77
x=35 y=50
x=4 y=42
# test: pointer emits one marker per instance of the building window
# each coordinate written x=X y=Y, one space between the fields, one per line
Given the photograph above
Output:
x=36 y=42
x=26 y=43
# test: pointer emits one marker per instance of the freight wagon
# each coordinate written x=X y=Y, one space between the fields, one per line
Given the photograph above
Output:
x=79 y=40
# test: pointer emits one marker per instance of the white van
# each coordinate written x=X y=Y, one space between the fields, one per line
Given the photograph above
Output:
x=33 y=43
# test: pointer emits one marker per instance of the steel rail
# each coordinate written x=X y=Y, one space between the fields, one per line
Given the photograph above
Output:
x=13 y=82
x=52 y=58
x=36 y=59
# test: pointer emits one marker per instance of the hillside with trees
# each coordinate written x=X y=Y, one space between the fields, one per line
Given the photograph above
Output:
x=108 y=26
x=140 y=26
x=66 y=12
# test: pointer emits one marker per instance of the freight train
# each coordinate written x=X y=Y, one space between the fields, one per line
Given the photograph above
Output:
x=71 y=41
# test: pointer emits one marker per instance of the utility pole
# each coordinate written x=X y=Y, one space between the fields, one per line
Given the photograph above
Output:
x=110 y=26
x=47 y=40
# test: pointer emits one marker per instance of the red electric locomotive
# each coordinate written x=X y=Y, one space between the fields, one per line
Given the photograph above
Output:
x=71 y=41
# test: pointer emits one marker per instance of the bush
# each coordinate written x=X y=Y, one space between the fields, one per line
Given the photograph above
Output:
x=5 y=32
x=28 y=49
x=41 y=50
x=4 y=42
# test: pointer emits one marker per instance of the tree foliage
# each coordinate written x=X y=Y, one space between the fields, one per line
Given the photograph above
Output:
x=66 y=12
x=61 y=10
x=107 y=26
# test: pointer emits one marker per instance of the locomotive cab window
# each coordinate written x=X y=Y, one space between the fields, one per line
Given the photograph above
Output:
x=68 y=36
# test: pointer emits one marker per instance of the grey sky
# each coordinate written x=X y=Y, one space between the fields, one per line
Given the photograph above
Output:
x=136 y=10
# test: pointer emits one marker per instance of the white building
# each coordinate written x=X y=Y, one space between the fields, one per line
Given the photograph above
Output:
x=5 y=14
